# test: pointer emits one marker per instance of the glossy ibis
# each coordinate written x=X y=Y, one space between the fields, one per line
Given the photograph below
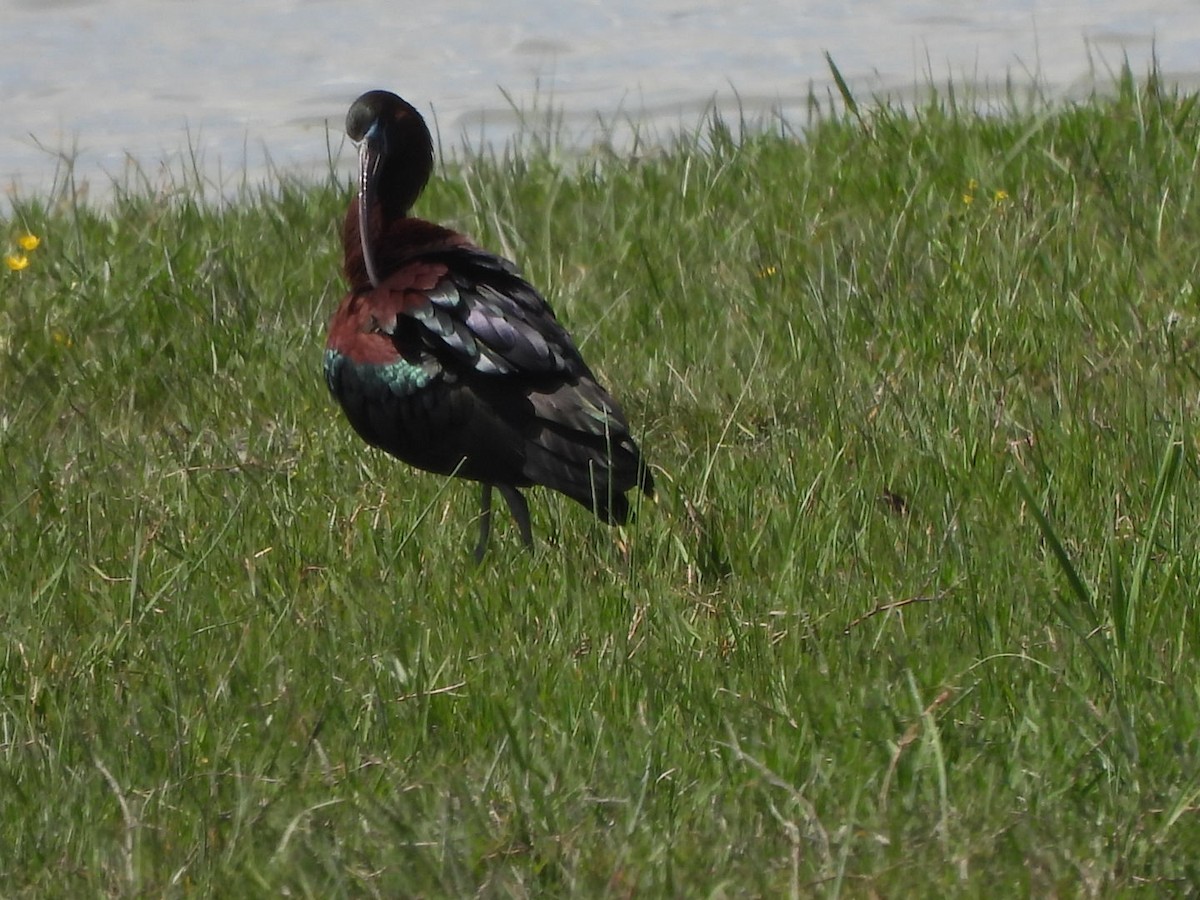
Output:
x=444 y=356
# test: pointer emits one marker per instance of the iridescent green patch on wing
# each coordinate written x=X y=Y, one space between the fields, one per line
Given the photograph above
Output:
x=400 y=378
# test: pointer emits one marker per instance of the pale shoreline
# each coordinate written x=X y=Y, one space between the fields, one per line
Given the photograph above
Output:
x=168 y=89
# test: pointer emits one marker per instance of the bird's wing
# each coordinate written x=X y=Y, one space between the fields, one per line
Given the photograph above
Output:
x=475 y=307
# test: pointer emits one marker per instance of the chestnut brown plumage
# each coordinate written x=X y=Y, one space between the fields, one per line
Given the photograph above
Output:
x=445 y=357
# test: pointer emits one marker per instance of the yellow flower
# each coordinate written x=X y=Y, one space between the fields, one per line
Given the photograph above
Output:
x=999 y=196
x=61 y=338
x=767 y=271
x=29 y=241
x=968 y=199
x=16 y=262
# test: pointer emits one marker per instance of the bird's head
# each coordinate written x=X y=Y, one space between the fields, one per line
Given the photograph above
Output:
x=395 y=160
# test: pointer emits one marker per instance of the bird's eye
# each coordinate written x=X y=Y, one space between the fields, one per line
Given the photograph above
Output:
x=358 y=121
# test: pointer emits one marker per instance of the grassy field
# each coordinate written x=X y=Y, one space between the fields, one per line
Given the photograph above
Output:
x=914 y=614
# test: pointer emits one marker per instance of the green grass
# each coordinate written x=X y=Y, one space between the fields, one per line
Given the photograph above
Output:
x=915 y=613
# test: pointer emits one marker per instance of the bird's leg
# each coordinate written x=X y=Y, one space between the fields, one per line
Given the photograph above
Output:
x=485 y=522
x=520 y=511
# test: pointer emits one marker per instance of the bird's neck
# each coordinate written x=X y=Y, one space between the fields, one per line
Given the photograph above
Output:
x=394 y=241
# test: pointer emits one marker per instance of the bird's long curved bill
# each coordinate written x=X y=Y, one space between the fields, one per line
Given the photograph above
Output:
x=370 y=156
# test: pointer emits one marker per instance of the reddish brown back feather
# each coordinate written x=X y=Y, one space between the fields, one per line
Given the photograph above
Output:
x=353 y=334
x=366 y=311
x=365 y=320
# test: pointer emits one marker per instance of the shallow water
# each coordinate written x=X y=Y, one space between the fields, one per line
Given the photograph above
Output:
x=232 y=89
